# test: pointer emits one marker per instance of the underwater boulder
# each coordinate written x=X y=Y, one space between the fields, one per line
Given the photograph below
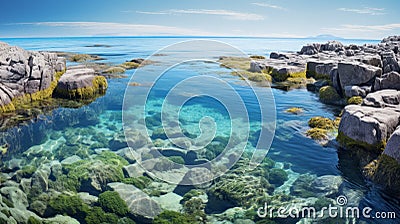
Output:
x=140 y=205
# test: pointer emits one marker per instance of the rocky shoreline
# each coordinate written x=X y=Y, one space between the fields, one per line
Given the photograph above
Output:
x=367 y=76
x=87 y=174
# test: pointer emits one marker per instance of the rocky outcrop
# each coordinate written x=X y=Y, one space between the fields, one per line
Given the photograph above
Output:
x=139 y=203
x=26 y=75
x=80 y=83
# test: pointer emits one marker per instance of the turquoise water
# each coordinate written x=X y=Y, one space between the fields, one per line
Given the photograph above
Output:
x=103 y=117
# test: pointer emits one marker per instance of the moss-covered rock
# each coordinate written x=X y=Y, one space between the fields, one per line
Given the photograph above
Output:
x=70 y=205
x=259 y=57
x=386 y=172
x=97 y=215
x=355 y=100
x=110 y=201
x=129 y=65
x=93 y=175
x=139 y=182
x=115 y=70
x=81 y=84
x=177 y=159
x=84 y=57
x=317 y=134
x=277 y=177
x=241 y=67
x=280 y=76
x=242 y=187
x=321 y=122
x=328 y=95
x=294 y=110
x=167 y=217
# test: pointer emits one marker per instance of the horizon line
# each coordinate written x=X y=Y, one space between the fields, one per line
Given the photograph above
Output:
x=188 y=36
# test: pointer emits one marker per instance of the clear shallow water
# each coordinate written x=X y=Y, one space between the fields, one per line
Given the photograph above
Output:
x=105 y=116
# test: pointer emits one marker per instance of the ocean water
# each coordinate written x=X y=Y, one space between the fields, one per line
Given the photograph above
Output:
x=104 y=115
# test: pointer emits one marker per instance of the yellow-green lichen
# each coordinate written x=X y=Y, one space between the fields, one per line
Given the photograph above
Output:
x=321 y=122
x=241 y=66
x=7 y=108
x=317 y=134
x=348 y=142
x=257 y=57
x=84 y=57
x=322 y=128
x=294 y=110
x=129 y=65
x=355 y=100
x=280 y=77
x=20 y=102
x=114 y=70
x=99 y=86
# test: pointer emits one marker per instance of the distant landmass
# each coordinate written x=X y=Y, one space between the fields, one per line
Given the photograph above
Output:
x=326 y=37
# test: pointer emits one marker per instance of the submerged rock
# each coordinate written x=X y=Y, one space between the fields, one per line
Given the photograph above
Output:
x=15 y=196
x=139 y=203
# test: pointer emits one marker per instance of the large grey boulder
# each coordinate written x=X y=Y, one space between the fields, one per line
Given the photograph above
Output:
x=139 y=203
x=80 y=83
x=384 y=98
x=368 y=124
x=389 y=80
x=393 y=145
x=355 y=73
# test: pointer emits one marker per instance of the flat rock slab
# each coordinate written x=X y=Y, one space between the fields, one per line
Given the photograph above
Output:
x=384 y=98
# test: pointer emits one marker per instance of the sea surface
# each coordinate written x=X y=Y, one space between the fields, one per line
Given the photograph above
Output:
x=289 y=146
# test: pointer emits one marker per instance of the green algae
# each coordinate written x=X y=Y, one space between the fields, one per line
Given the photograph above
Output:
x=351 y=143
x=110 y=201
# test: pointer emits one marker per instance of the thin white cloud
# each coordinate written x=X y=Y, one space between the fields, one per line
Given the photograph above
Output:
x=365 y=10
x=121 y=29
x=228 y=14
x=151 y=13
x=266 y=5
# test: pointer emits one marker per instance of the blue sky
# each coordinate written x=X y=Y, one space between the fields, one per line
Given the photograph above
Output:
x=366 y=19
